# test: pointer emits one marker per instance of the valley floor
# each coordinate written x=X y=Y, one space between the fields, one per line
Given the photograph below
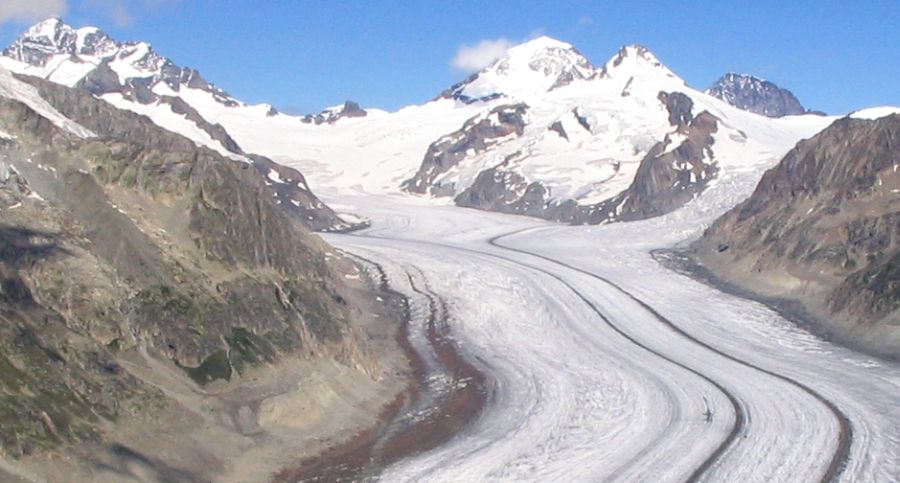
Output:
x=602 y=365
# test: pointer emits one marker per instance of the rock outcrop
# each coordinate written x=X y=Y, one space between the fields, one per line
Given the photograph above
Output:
x=476 y=135
x=674 y=171
x=348 y=109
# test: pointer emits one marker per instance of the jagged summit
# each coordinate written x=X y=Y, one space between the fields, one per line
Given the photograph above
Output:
x=634 y=59
x=52 y=37
x=633 y=52
x=89 y=57
x=756 y=95
x=48 y=28
x=544 y=64
x=535 y=66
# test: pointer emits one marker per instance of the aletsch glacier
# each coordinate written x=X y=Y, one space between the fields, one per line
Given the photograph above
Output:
x=601 y=364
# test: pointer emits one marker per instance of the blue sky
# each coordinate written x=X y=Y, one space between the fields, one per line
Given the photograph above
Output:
x=304 y=55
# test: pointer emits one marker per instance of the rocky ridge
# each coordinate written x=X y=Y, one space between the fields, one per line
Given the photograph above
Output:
x=674 y=171
x=476 y=135
x=823 y=228
x=334 y=114
x=756 y=95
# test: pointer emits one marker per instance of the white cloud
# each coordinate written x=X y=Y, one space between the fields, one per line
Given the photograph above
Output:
x=121 y=12
x=30 y=10
x=471 y=58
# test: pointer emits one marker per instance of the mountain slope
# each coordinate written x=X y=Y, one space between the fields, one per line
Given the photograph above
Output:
x=136 y=268
x=823 y=227
x=134 y=77
x=756 y=95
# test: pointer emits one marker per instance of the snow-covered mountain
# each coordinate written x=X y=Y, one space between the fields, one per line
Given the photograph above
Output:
x=542 y=131
x=756 y=95
x=89 y=57
x=576 y=143
x=532 y=68
x=123 y=73
x=133 y=76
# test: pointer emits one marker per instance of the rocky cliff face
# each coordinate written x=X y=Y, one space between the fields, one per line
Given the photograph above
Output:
x=475 y=136
x=823 y=227
x=58 y=371
x=676 y=169
x=138 y=241
x=756 y=95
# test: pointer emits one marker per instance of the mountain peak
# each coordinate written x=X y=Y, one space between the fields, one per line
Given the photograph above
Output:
x=632 y=59
x=88 y=56
x=535 y=66
x=46 y=28
x=756 y=95
x=635 y=51
x=735 y=77
x=538 y=44
x=536 y=53
x=53 y=37
x=43 y=40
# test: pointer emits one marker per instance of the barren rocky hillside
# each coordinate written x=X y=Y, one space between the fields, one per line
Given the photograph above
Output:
x=823 y=227
x=133 y=247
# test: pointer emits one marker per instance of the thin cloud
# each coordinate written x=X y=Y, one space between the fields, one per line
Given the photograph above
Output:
x=122 y=12
x=31 y=10
x=472 y=58
x=117 y=10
